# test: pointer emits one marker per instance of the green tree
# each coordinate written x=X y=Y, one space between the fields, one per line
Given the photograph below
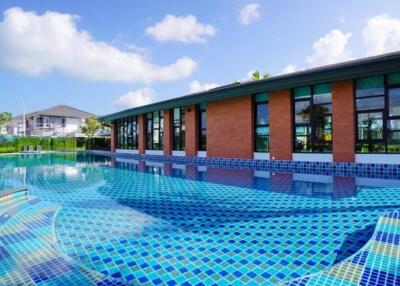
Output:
x=266 y=76
x=5 y=117
x=257 y=76
x=91 y=126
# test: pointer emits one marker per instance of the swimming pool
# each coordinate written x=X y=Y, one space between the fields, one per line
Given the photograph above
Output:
x=165 y=223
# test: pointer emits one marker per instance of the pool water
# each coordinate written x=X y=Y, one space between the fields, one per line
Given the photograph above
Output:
x=163 y=223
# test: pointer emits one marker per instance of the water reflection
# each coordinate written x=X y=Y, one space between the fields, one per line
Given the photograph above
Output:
x=314 y=185
x=51 y=171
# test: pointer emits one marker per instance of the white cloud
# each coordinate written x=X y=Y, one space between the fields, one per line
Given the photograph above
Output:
x=135 y=98
x=331 y=48
x=289 y=69
x=36 y=44
x=249 y=14
x=382 y=35
x=196 y=86
x=184 y=29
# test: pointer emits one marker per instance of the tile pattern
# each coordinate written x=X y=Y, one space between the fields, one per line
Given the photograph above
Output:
x=385 y=171
x=377 y=263
x=28 y=254
x=8 y=197
x=220 y=227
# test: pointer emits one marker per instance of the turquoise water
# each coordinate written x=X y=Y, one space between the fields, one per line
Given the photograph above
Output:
x=154 y=223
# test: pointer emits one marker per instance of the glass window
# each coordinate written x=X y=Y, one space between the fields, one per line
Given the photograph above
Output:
x=393 y=79
x=127 y=136
x=370 y=126
x=370 y=103
x=261 y=131
x=303 y=139
x=262 y=139
x=262 y=114
x=322 y=98
x=378 y=113
x=179 y=128
x=393 y=144
x=302 y=111
x=154 y=130
x=313 y=119
x=394 y=102
x=202 y=126
x=302 y=92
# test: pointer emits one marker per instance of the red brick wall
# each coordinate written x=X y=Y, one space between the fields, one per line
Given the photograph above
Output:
x=142 y=133
x=230 y=128
x=113 y=137
x=168 y=135
x=191 y=132
x=281 y=125
x=343 y=121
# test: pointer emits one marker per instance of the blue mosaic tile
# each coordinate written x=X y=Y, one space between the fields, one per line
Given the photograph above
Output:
x=375 y=264
x=31 y=258
x=147 y=222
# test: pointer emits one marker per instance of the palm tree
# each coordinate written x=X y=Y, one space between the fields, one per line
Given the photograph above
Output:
x=257 y=76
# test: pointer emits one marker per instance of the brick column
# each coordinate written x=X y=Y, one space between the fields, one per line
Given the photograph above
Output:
x=113 y=144
x=168 y=132
x=191 y=130
x=230 y=128
x=168 y=168
x=281 y=125
x=142 y=133
x=343 y=109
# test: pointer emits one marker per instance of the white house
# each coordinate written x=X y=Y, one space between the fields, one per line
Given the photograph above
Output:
x=58 y=121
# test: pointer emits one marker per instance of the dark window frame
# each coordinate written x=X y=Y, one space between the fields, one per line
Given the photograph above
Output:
x=127 y=136
x=202 y=142
x=312 y=124
x=150 y=145
x=385 y=118
x=179 y=124
x=256 y=125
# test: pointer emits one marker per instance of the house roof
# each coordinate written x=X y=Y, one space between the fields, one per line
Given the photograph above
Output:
x=386 y=63
x=60 y=111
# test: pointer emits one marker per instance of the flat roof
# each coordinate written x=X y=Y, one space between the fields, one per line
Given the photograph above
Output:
x=386 y=63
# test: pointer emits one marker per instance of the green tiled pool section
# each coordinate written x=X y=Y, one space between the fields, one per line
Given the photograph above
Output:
x=377 y=263
x=28 y=250
x=154 y=223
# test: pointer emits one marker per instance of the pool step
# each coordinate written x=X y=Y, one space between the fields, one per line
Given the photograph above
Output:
x=28 y=249
x=11 y=196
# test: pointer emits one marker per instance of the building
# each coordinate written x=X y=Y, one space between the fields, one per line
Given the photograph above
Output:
x=59 y=121
x=346 y=112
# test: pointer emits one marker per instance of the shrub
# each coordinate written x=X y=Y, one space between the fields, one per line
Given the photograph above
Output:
x=55 y=143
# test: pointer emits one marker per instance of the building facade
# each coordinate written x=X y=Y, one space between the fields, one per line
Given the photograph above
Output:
x=347 y=112
x=57 y=121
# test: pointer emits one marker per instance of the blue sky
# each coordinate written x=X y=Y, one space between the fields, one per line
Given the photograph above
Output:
x=104 y=56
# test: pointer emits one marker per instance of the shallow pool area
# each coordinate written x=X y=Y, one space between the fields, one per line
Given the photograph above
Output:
x=146 y=222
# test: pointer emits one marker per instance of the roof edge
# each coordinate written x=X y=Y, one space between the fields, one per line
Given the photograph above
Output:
x=386 y=63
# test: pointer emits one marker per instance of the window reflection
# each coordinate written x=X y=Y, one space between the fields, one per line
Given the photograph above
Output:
x=313 y=119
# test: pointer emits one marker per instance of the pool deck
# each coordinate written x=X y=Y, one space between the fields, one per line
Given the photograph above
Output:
x=29 y=254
